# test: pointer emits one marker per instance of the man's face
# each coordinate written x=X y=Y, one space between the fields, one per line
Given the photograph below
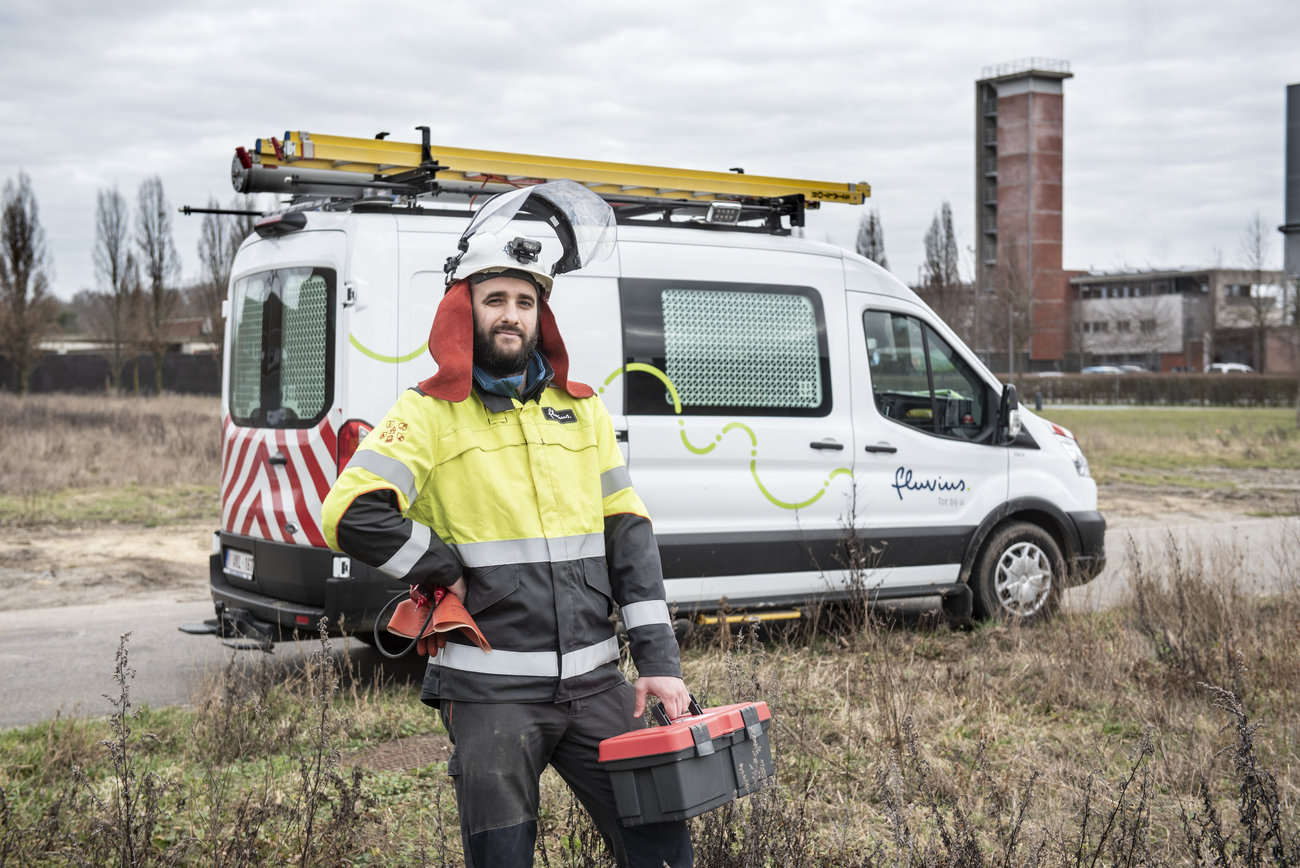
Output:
x=505 y=324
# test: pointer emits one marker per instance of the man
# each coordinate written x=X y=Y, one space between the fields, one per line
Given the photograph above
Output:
x=501 y=480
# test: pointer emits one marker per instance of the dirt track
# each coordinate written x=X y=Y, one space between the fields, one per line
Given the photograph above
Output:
x=54 y=566
x=57 y=566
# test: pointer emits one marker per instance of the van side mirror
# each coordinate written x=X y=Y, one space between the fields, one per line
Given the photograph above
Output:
x=1008 y=415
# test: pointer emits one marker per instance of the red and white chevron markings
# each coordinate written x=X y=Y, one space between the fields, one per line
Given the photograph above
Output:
x=261 y=499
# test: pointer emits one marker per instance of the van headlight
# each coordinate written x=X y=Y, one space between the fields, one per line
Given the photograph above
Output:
x=1072 y=450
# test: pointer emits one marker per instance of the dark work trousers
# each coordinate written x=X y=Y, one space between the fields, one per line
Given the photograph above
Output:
x=500 y=752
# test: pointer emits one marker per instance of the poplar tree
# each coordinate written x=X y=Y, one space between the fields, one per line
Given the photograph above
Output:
x=871 y=238
x=27 y=312
x=117 y=306
x=159 y=266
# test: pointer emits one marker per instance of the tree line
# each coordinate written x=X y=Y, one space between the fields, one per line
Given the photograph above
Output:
x=138 y=289
x=939 y=281
x=137 y=271
x=997 y=320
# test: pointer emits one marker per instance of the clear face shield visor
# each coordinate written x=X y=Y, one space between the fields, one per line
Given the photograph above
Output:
x=581 y=220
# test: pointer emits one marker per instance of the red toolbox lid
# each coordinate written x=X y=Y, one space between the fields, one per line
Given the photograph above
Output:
x=650 y=741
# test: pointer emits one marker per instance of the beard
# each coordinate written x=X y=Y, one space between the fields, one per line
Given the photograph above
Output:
x=499 y=362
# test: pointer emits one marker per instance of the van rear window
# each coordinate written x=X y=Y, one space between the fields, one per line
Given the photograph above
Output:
x=724 y=348
x=281 y=347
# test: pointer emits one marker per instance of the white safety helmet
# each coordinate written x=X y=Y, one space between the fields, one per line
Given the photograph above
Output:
x=489 y=254
x=583 y=224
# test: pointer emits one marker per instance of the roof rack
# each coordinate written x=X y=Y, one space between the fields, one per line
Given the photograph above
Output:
x=334 y=170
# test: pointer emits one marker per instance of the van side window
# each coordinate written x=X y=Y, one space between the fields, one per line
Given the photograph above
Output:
x=281 y=359
x=917 y=378
x=724 y=349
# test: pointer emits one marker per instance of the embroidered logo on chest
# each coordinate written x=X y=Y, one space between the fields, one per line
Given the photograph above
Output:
x=564 y=417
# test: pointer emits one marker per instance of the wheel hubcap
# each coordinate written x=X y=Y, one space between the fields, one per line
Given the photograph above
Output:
x=1024 y=579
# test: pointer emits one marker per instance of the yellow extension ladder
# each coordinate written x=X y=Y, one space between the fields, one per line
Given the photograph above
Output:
x=357 y=162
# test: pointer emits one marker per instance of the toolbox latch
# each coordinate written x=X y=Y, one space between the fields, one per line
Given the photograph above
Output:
x=703 y=741
x=753 y=726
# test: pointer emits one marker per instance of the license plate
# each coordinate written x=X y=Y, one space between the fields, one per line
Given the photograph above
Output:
x=239 y=563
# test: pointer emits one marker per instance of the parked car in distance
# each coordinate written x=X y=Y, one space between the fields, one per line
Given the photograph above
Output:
x=1229 y=368
x=1133 y=369
x=1102 y=369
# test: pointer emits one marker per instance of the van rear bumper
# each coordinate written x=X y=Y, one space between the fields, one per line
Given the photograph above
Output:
x=349 y=604
x=1090 y=556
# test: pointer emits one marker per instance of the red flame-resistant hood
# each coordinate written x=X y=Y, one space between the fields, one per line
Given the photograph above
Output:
x=451 y=343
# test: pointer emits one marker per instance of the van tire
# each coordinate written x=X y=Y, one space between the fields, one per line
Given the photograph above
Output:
x=1018 y=575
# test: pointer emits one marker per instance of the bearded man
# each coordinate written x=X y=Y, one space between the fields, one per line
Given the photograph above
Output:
x=500 y=480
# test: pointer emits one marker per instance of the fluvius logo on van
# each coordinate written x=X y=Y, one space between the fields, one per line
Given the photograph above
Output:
x=562 y=416
x=903 y=481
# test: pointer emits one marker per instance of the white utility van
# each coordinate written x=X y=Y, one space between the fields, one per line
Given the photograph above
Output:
x=799 y=424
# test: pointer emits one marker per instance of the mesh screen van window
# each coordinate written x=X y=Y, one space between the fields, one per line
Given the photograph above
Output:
x=723 y=349
x=281 y=363
x=742 y=349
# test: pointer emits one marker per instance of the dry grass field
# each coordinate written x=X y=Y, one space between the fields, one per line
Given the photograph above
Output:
x=1162 y=731
x=1191 y=459
x=82 y=459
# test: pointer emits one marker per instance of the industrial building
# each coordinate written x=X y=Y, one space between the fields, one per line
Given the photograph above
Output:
x=1035 y=315
x=1019 y=137
x=1182 y=320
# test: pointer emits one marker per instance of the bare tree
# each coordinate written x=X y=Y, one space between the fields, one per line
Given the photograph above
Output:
x=871 y=238
x=27 y=312
x=219 y=239
x=941 y=283
x=116 y=308
x=1265 y=306
x=1010 y=323
x=1081 y=329
x=159 y=269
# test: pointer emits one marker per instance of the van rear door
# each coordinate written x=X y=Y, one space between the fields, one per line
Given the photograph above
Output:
x=278 y=432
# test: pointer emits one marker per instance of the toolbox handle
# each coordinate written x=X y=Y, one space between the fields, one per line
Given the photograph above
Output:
x=661 y=717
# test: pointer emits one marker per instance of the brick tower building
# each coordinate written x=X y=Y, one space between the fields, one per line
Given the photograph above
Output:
x=1019 y=130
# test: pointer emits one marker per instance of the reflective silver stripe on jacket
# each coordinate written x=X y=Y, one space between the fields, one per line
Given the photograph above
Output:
x=539 y=550
x=537 y=664
x=586 y=659
x=636 y=615
x=400 y=564
x=615 y=480
x=388 y=469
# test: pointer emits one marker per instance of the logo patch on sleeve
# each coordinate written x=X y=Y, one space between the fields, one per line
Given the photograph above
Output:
x=564 y=417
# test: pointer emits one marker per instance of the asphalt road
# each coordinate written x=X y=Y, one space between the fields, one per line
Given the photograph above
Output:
x=61 y=661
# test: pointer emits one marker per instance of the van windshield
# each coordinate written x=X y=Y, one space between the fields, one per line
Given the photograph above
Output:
x=281 y=358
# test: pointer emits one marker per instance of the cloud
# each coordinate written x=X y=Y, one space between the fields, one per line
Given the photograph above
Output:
x=1173 y=119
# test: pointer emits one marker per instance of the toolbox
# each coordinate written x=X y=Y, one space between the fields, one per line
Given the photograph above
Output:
x=693 y=764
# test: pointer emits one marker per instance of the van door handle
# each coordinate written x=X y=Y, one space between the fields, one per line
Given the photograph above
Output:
x=277 y=458
x=827 y=444
x=881 y=447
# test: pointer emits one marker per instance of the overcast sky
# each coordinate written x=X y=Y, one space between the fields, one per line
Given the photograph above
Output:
x=1174 y=119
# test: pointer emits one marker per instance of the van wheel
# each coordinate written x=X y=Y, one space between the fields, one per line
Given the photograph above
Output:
x=1018 y=575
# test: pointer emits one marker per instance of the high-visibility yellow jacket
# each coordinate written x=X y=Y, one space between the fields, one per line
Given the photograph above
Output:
x=533 y=504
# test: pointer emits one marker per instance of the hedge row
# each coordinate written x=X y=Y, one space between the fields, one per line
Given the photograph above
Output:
x=89 y=372
x=1260 y=390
